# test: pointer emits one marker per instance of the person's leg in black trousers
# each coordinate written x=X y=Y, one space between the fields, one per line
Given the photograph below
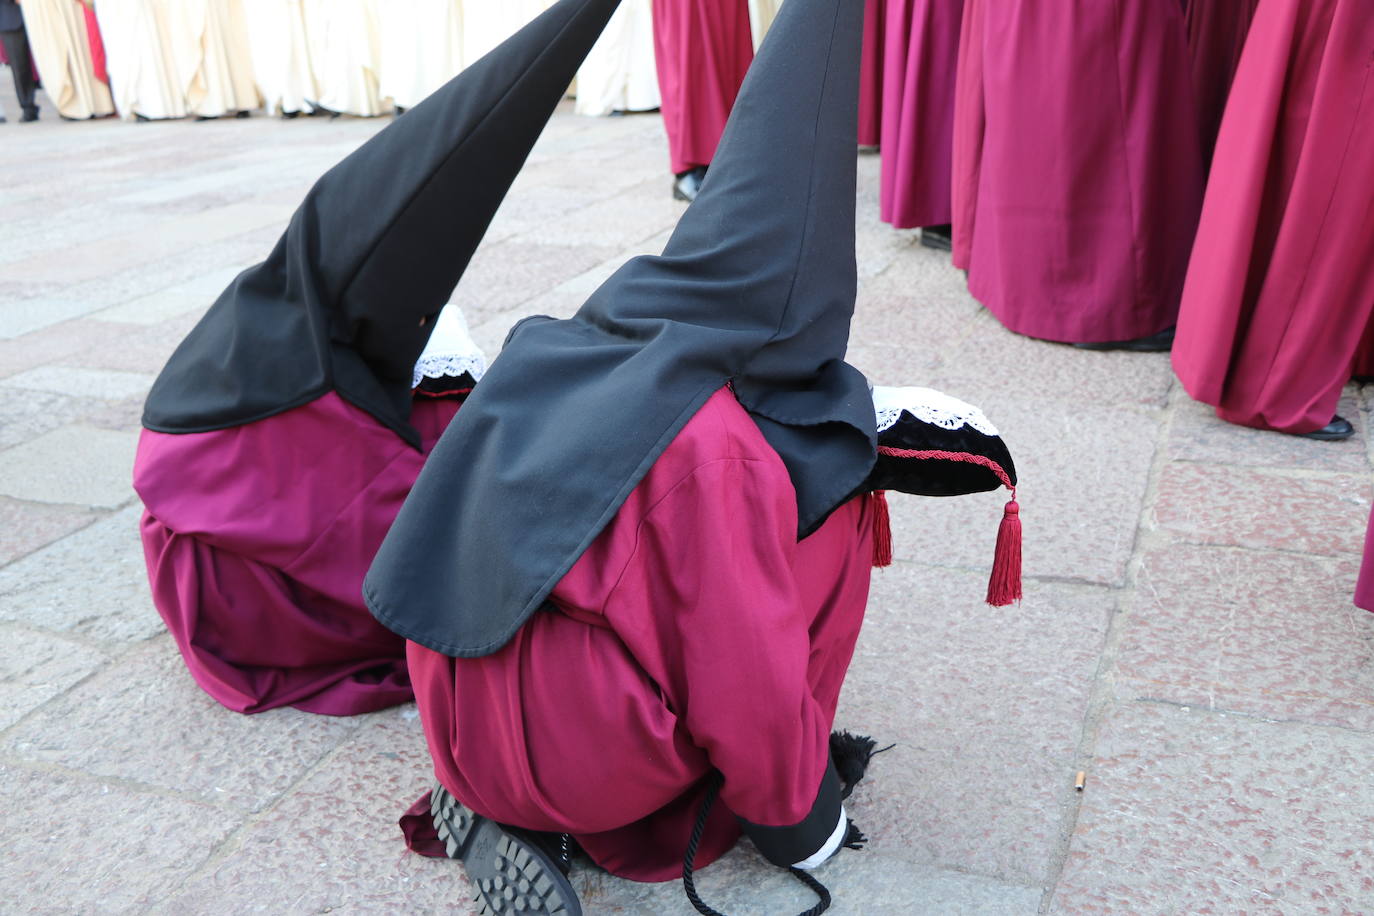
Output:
x=21 y=64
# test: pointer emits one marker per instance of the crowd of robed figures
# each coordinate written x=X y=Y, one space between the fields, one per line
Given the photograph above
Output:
x=1063 y=150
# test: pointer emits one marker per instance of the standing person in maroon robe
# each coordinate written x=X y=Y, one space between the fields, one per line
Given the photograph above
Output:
x=283 y=435
x=634 y=569
x=871 y=76
x=1077 y=171
x=1281 y=288
x=702 y=49
x=1216 y=36
x=920 y=64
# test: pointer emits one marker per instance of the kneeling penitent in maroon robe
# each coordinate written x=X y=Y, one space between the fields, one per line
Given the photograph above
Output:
x=629 y=680
x=634 y=568
x=286 y=431
x=1280 y=290
x=257 y=538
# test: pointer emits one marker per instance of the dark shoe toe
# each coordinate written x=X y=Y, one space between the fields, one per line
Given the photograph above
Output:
x=1161 y=342
x=938 y=237
x=1339 y=428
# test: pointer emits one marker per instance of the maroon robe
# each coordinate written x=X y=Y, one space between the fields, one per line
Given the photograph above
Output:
x=1364 y=588
x=702 y=49
x=1281 y=290
x=257 y=538
x=1078 y=176
x=694 y=634
x=871 y=74
x=1216 y=36
x=920 y=64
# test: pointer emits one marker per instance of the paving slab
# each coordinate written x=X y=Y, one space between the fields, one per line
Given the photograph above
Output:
x=1195 y=812
x=25 y=527
x=79 y=845
x=508 y=274
x=92 y=584
x=192 y=296
x=35 y=667
x=993 y=362
x=985 y=706
x=24 y=417
x=82 y=382
x=145 y=720
x=1276 y=510
x=79 y=465
x=1196 y=434
x=862 y=883
x=1262 y=632
x=333 y=843
x=52 y=343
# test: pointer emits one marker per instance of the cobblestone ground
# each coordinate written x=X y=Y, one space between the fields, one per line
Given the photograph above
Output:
x=1187 y=638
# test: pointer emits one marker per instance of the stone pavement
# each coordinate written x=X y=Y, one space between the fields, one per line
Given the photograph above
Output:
x=1187 y=638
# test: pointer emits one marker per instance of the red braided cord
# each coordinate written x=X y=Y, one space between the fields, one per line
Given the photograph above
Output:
x=967 y=457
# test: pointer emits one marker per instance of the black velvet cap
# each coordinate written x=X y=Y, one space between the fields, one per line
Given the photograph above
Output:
x=346 y=300
x=755 y=287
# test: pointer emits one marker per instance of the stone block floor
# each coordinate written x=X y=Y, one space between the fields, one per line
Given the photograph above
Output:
x=1187 y=639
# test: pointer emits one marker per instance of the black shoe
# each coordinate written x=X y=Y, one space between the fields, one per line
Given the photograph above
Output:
x=30 y=114
x=938 y=237
x=1155 y=343
x=512 y=869
x=688 y=184
x=1339 y=428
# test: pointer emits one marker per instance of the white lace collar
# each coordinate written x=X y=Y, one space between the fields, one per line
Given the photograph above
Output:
x=928 y=406
x=451 y=350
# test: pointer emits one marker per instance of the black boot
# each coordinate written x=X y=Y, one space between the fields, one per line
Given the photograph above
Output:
x=515 y=870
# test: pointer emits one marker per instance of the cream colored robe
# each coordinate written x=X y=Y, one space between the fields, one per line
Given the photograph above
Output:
x=619 y=73
x=139 y=58
x=487 y=23
x=422 y=48
x=61 y=48
x=761 y=15
x=281 y=55
x=214 y=65
x=344 y=37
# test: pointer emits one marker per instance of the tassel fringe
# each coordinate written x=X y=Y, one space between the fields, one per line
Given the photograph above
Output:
x=882 y=530
x=1004 y=587
x=851 y=755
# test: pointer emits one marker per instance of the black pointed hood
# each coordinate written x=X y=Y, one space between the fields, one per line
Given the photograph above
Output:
x=347 y=298
x=756 y=287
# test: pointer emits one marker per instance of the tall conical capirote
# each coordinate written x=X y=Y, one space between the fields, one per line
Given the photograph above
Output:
x=756 y=287
x=346 y=299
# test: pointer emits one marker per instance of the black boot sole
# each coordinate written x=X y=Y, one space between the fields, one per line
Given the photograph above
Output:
x=511 y=876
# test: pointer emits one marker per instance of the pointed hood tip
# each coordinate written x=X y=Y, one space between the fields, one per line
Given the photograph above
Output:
x=379 y=243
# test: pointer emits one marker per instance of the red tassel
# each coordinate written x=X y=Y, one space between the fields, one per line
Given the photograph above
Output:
x=882 y=530
x=1004 y=587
